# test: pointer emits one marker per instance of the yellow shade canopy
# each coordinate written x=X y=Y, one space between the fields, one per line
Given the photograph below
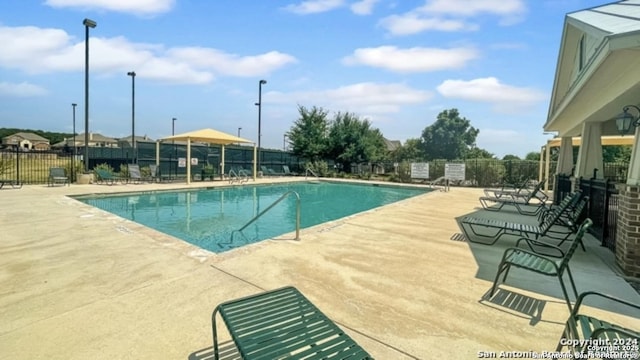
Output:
x=208 y=136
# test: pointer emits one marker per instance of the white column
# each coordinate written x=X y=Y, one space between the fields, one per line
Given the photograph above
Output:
x=633 y=176
x=590 y=154
x=565 y=156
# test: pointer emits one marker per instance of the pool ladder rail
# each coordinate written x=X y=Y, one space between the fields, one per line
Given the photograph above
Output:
x=235 y=177
x=284 y=196
x=307 y=171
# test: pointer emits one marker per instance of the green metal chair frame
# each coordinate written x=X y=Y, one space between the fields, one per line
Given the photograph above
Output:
x=521 y=201
x=283 y=324
x=541 y=264
x=470 y=223
x=57 y=176
x=105 y=176
x=580 y=326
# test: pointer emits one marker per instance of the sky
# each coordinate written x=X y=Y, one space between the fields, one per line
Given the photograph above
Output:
x=395 y=63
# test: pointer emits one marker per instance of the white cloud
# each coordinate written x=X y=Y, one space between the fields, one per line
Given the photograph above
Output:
x=22 y=89
x=360 y=98
x=505 y=98
x=452 y=15
x=363 y=7
x=314 y=6
x=417 y=59
x=232 y=64
x=469 y=8
x=35 y=50
x=408 y=24
x=138 y=7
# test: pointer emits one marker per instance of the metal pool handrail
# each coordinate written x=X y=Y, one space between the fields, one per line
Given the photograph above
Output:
x=274 y=204
x=306 y=173
x=240 y=177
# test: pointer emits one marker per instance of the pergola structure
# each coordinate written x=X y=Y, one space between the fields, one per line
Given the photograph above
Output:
x=212 y=137
x=566 y=166
x=597 y=76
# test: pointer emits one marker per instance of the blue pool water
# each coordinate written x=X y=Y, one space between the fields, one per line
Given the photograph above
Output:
x=208 y=217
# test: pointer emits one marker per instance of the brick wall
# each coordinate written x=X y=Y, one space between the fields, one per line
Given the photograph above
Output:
x=628 y=230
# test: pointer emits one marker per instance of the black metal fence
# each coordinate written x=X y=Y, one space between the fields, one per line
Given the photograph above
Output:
x=602 y=208
x=32 y=167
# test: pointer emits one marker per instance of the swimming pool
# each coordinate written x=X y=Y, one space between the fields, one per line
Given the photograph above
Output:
x=208 y=217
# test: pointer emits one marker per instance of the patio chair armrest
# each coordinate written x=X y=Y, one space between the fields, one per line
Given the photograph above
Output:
x=541 y=244
x=585 y=294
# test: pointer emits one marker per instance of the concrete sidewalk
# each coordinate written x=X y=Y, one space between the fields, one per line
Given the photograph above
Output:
x=77 y=282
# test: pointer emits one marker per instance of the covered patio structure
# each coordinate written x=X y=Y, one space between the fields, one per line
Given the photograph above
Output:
x=597 y=76
x=212 y=137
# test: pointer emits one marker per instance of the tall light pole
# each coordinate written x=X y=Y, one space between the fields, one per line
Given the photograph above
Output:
x=173 y=142
x=239 y=131
x=87 y=24
x=133 y=114
x=259 y=104
x=73 y=152
x=284 y=142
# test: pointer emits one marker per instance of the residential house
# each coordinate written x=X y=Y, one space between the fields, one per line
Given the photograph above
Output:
x=26 y=141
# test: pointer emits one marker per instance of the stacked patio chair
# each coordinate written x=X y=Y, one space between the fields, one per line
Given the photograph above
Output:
x=526 y=202
x=507 y=190
x=471 y=225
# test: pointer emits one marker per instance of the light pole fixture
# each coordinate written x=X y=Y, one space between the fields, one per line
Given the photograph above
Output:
x=73 y=152
x=626 y=120
x=133 y=115
x=284 y=142
x=239 y=129
x=87 y=24
x=173 y=142
x=259 y=104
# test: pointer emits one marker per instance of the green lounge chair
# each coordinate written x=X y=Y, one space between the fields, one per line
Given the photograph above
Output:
x=283 y=324
x=508 y=190
x=57 y=176
x=470 y=224
x=135 y=175
x=106 y=177
x=14 y=183
x=526 y=203
x=287 y=172
x=541 y=264
x=583 y=329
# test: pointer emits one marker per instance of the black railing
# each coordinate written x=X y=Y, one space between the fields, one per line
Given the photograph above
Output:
x=602 y=209
x=561 y=188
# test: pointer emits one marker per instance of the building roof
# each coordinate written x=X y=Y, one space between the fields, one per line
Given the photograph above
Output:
x=392 y=144
x=598 y=55
x=29 y=136
x=614 y=18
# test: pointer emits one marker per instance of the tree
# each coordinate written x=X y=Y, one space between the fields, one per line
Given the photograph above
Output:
x=616 y=153
x=450 y=137
x=354 y=140
x=478 y=153
x=532 y=156
x=410 y=150
x=308 y=135
x=510 y=157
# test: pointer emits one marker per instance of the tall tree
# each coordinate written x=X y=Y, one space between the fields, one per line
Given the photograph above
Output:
x=354 y=140
x=478 y=153
x=450 y=137
x=308 y=135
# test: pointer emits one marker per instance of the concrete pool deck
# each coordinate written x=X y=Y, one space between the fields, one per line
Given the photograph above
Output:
x=77 y=282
